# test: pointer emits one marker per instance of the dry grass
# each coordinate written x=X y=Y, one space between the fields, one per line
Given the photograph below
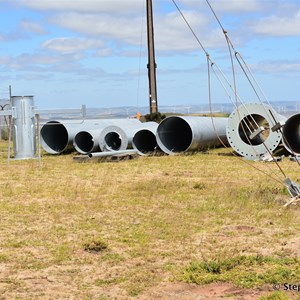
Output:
x=154 y=215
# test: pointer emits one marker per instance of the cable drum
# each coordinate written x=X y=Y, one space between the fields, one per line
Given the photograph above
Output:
x=245 y=120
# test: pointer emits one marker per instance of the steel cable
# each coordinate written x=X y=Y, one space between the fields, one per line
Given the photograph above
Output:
x=235 y=93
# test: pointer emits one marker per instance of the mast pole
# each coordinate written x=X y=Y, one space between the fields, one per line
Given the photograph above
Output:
x=151 y=60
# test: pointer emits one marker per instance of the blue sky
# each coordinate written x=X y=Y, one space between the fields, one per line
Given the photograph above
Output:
x=72 y=52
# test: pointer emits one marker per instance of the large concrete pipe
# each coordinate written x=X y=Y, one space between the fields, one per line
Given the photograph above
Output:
x=144 y=140
x=179 y=134
x=249 y=130
x=291 y=134
x=58 y=136
x=113 y=138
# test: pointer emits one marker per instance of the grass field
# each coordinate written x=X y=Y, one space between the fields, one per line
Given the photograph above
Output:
x=148 y=228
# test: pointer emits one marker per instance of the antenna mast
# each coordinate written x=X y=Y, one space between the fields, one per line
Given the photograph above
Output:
x=151 y=60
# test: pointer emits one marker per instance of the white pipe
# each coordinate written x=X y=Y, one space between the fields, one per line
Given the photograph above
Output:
x=144 y=140
x=113 y=138
x=111 y=153
x=179 y=133
x=58 y=136
x=291 y=134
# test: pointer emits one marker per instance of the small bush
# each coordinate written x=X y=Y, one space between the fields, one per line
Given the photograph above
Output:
x=155 y=117
x=95 y=246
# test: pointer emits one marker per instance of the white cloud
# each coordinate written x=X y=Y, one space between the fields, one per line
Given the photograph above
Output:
x=221 y=6
x=24 y=30
x=110 y=21
x=103 y=52
x=278 y=26
x=173 y=34
x=278 y=67
x=37 y=61
x=44 y=59
x=43 y=63
x=4 y=60
x=236 y=6
x=70 y=45
x=33 y=27
x=122 y=28
x=110 y=6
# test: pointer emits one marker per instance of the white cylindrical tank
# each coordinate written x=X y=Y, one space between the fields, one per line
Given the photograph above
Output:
x=24 y=130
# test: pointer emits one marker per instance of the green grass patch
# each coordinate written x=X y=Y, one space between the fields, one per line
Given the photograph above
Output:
x=109 y=281
x=243 y=271
x=113 y=257
x=62 y=253
x=275 y=296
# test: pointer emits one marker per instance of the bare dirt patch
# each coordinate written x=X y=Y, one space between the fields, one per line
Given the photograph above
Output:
x=215 y=291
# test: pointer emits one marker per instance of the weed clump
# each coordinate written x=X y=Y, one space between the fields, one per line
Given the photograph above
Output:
x=199 y=186
x=95 y=246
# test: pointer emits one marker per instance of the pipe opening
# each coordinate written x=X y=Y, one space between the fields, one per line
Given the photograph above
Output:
x=113 y=141
x=291 y=134
x=175 y=134
x=84 y=141
x=54 y=137
x=249 y=125
x=144 y=141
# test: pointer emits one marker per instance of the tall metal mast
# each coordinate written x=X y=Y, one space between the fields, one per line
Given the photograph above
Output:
x=151 y=60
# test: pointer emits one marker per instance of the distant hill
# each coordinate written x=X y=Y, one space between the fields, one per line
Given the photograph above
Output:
x=283 y=107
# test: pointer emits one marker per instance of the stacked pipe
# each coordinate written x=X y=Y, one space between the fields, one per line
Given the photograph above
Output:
x=172 y=135
x=249 y=130
x=60 y=136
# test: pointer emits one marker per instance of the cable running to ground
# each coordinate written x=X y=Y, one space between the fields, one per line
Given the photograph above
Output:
x=230 y=46
x=240 y=61
x=208 y=57
x=221 y=141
